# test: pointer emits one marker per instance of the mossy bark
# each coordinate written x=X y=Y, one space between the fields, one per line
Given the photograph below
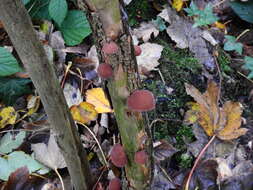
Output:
x=19 y=27
x=133 y=127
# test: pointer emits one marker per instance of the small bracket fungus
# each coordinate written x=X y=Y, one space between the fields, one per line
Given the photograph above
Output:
x=137 y=50
x=140 y=157
x=141 y=100
x=105 y=70
x=114 y=184
x=110 y=48
x=118 y=156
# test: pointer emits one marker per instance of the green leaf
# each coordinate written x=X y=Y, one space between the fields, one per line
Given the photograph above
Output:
x=203 y=17
x=243 y=9
x=8 y=63
x=9 y=142
x=58 y=10
x=249 y=65
x=193 y=10
x=17 y=160
x=159 y=23
x=38 y=9
x=25 y=2
x=12 y=88
x=75 y=27
x=232 y=45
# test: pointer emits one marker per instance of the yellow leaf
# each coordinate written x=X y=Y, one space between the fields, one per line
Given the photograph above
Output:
x=219 y=25
x=33 y=104
x=224 y=122
x=230 y=129
x=178 y=4
x=7 y=116
x=96 y=96
x=83 y=113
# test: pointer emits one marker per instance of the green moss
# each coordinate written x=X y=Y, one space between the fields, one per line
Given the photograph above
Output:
x=224 y=62
x=140 y=10
x=185 y=161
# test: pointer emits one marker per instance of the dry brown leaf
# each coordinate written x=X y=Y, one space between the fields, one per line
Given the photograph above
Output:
x=223 y=122
x=145 y=31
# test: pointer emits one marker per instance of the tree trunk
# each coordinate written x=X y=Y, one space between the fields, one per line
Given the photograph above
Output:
x=105 y=18
x=20 y=30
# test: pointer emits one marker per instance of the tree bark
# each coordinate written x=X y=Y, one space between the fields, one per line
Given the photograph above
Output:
x=20 y=30
x=107 y=23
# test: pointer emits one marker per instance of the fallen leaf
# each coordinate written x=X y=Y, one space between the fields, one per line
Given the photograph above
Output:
x=50 y=154
x=145 y=31
x=219 y=25
x=224 y=122
x=9 y=142
x=8 y=116
x=178 y=4
x=84 y=112
x=18 y=179
x=150 y=55
x=72 y=94
x=33 y=104
x=17 y=160
x=96 y=96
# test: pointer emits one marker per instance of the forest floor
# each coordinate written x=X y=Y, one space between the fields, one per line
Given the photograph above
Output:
x=179 y=60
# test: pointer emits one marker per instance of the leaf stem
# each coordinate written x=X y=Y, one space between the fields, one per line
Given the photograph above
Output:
x=197 y=161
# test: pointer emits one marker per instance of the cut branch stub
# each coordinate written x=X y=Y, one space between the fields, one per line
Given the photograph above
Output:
x=141 y=101
x=141 y=157
x=137 y=50
x=114 y=184
x=118 y=156
x=105 y=70
x=110 y=48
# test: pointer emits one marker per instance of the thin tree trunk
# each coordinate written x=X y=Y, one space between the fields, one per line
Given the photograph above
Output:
x=105 y=18
x=20 y=30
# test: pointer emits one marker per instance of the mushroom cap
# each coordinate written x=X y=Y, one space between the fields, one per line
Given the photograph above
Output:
x=140 y=157
x=118 y=156
x=114 y=184
x=137 y=50
x=141 y=100
x=110 y=48
x=105 y=70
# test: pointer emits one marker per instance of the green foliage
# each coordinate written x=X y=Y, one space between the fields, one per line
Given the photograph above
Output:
x=8 y=63
x=58 y=10
x=25 y=1
x=243 y=9
x=75 y=27
x=185 y=161
x=73 y=24
x=202 y=17
x=159 y=23
x=17 y=160
x=232 y=45
x=12 y=88
x=9 y=142
x=249 y=65
x=224 y=62
x=38 y=9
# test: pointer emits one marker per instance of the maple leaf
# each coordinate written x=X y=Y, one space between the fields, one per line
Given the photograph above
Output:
x=224 y=122
x=96 y=97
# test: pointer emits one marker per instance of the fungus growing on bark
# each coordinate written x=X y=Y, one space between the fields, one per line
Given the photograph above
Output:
x=137 y=50
x=110 y=48
x=141 y=100
x=114 y=184
x=140 y=157
x=105 y=70
x=118 y=156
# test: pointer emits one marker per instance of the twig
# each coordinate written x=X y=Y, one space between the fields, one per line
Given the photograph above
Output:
x=197 y=161
x=80 y=73
x=58 y=174
x=65 y=74
x=244 y=76
x=240 y=35
x=94 y=136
